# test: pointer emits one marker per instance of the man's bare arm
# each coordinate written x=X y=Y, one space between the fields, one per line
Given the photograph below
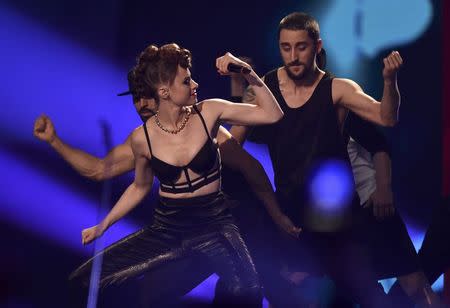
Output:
x=385 y=112
x=382 y=198
x=118 y=161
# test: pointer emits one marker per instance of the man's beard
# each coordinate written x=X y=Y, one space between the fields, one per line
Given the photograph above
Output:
x=148 y=114
x=293 y=76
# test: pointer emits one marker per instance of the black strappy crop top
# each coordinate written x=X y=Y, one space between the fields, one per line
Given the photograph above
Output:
x=206 y=163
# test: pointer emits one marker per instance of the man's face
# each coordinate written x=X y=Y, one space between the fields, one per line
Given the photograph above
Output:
x=298 y=52
x=145 y=107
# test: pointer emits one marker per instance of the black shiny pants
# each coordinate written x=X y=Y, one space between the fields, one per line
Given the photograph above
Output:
x=198 y=230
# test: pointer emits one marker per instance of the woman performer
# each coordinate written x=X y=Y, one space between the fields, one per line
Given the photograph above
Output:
x=177 y=146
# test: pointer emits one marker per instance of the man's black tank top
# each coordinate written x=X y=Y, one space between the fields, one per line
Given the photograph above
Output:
x=303 y=138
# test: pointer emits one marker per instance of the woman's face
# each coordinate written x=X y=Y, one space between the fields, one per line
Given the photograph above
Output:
x=183 y=90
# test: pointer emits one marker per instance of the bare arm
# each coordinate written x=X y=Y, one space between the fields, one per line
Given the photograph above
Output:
x=382 y=164
x=235 y=157
x=385 y=112
x=237 y=81
x=240 y=132
x=132 y=196
x=382 y=198
x=266 y=112
x=118 y=161
x=370 y=138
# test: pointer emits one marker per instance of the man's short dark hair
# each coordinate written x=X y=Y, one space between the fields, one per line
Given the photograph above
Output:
x=300 y=21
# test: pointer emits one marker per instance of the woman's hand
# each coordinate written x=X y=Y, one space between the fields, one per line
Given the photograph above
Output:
x=90 y=234
x=222 y=63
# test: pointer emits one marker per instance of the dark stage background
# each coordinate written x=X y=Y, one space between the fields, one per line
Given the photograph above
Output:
x=68 y=59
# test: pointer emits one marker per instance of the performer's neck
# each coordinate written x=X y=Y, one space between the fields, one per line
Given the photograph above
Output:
x=310 y=78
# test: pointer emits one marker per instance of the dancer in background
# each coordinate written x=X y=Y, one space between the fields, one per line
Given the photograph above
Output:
x=390 y=247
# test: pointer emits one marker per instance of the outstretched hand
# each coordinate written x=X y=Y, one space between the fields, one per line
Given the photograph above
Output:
x=44 y=129
x=90 y=234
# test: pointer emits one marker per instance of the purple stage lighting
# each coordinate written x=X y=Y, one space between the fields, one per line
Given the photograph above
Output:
x=331 y=186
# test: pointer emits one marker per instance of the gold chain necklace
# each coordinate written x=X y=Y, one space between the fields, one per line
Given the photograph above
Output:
x=179 y=129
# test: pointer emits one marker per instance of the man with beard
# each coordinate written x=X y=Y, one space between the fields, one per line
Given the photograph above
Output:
x=310 y=134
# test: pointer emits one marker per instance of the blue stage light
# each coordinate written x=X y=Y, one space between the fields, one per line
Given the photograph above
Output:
x=331 y=186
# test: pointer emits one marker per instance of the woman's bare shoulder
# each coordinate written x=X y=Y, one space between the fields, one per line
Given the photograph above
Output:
x=138 y=140
x=211 y=104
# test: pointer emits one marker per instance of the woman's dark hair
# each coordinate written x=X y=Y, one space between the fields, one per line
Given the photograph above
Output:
x=156 y=66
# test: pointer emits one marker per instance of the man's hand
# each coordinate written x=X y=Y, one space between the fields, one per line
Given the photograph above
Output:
x=44 y=129
x=392 y=64
x=382 y=203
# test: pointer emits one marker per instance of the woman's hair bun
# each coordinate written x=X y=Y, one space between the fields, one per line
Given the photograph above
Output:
x=150 y=54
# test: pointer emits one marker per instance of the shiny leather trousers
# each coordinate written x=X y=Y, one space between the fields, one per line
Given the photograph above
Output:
x=199 y=229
